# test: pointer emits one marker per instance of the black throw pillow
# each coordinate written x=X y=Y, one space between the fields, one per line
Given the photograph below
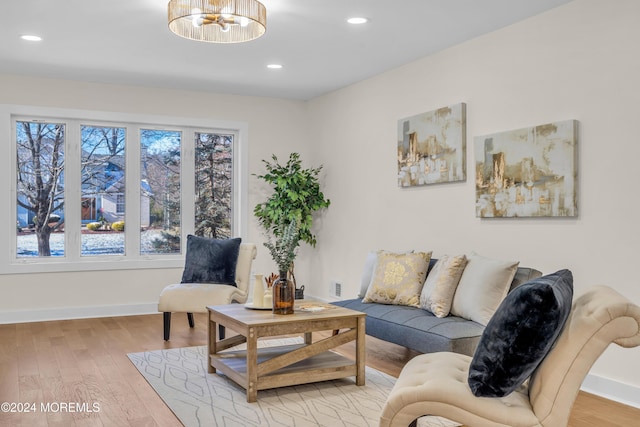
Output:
x=211 y=260
x=522 y=331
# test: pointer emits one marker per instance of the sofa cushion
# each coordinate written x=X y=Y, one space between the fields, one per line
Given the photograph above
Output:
x=440 y=286
x=520 y=334
x=524 y=275
x=417 y=329
x=211 y=260
x=398 y=278
x=482 y=287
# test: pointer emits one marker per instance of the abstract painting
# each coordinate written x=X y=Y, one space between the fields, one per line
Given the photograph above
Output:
x=432 y=147
x=529 y=172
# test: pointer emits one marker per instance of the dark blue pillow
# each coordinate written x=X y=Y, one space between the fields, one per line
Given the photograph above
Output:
x=211 y=260
x=520 y=334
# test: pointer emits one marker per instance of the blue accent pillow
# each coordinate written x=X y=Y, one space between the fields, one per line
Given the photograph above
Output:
x=522 y=331
x=211 y=260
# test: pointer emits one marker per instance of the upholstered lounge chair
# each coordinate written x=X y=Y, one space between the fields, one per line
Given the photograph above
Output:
x=195 y=297
x=436 y=383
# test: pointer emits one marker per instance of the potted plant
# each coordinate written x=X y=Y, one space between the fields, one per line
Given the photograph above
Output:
x=296 y=197
x=283 y=251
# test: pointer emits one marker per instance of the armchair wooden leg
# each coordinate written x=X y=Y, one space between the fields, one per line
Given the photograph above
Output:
x=190 y=318
x=167 y=324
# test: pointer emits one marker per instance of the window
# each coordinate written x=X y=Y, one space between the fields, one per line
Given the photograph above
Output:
x=103 y=182
x=120 y=204
x=160 y=201
x=214 y=153
x=40 y=149
x=95 y=190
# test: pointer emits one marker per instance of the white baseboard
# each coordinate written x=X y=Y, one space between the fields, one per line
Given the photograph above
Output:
x=613 y=390
x=27 y=316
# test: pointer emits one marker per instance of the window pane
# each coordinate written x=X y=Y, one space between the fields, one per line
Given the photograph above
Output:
x=214 y=173
x=103 y=189
x=160 y=213
x=40 y=189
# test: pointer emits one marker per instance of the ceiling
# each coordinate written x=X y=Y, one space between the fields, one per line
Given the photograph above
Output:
x=128 y=42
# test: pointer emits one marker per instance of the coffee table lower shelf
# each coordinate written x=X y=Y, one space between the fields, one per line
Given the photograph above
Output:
x=320 y=367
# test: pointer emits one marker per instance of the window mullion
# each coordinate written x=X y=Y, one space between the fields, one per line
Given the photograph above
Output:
x=132 y=193
x=72 y=191
x=187 y=184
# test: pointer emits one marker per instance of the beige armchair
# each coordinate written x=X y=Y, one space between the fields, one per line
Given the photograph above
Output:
x=195 y=297
x=436 y=383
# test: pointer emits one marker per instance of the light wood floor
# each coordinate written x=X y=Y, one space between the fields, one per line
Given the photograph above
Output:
x=84 y=361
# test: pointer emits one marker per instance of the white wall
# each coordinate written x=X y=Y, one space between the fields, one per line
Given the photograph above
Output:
x=275 y=126
x=579 y=61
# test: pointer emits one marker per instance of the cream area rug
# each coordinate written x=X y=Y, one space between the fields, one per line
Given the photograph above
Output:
x=198 y=398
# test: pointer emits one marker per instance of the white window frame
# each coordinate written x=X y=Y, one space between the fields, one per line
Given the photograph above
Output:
x=132 y=259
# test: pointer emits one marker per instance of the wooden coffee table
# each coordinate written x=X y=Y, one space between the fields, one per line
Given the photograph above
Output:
x=260 y=369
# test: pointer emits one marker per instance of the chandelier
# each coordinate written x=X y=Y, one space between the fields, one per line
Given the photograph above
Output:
x=218 y=21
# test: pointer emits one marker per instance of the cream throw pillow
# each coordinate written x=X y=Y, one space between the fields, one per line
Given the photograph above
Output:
x=442 y=281
x=482 y=287
x=398 y=278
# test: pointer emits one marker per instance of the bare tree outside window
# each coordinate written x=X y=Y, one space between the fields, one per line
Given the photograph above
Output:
x=40 y=181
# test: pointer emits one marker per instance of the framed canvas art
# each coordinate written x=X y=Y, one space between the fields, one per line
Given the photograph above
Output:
x=432 y=147
x=529 y=172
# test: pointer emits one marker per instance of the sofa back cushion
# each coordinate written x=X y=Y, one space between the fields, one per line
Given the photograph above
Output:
x=482 y=287
x=440 y=286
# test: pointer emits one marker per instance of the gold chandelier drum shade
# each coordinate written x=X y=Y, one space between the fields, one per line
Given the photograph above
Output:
x=218 y=21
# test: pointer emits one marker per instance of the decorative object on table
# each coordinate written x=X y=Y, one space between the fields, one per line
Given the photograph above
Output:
x=315 y=307
x=283 y=295
x=283 y=252
x=432 y=147
x=258 y=290
x=529 y=172
x=296 y=197
x=267 y=299
x=268 y=295
x=271 y=280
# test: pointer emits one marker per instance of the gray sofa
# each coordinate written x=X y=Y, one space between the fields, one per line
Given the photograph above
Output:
x=419 y=329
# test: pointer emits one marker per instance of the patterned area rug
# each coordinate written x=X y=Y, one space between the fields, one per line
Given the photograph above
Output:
x=198 y=398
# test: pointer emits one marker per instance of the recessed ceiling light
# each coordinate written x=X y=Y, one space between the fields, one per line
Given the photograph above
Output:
x=31 y=38
x=357 y=20
x=274 y=66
